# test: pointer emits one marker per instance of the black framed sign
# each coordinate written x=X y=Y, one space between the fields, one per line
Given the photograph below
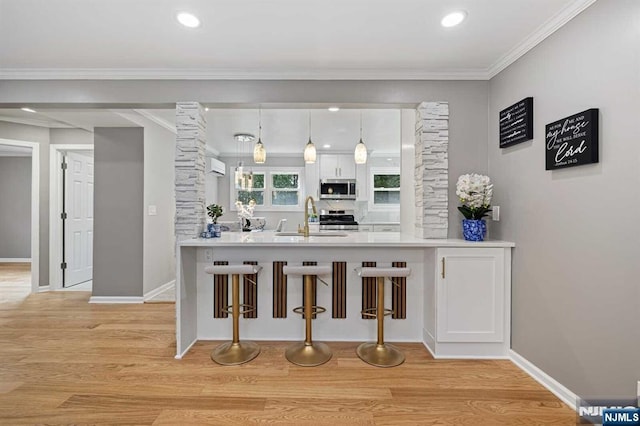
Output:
x=516 y=123
x=572 y=141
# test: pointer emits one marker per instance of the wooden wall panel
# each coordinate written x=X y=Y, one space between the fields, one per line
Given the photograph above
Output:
x=368 y=291
x=399 y=294
x=220 y=292
x=250 y=291
x=279 y=291
x=339 y=286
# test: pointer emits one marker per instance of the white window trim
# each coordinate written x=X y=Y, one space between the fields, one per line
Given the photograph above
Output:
x=382 y=171
x=267 y=206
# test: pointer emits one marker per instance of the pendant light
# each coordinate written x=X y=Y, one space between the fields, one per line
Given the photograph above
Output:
x=310 y=148
x=259 y=153
x=360 y=153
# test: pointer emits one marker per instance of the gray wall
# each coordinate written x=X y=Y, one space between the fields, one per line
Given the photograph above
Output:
x=118 y=212
x=15 y=207
x=39 y=135
x=576 y=289
x=70 y=136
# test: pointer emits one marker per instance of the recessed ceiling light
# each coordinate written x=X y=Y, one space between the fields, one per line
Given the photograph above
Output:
x=206 y=108
x=326 y=146
x=334 y=109
x=25 y=109
x=188 y=20
x=454 y=18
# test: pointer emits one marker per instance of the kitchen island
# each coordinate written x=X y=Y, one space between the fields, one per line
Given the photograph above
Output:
x=456 y=300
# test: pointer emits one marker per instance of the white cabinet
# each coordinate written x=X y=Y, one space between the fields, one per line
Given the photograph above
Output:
x=386 y=228
x=470 y=298
x=311 y=181
x=365 y=228
x=340 y=166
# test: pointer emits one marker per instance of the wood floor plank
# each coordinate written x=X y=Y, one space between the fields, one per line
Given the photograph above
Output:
x=224 y=418
x=65 y=361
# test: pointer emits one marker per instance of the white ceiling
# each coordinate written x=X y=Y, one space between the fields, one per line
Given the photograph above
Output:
x=284 y=131
x=271 y=39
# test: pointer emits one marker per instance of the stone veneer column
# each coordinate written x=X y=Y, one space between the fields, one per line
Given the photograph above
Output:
x=190 y=170
x=432 y=170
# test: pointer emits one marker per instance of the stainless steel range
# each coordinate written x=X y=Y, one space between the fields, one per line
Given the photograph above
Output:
x=338 y=220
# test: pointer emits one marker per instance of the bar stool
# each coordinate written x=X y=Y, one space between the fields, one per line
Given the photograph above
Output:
x=308 y=353
x=380 y=354
x=235 y=352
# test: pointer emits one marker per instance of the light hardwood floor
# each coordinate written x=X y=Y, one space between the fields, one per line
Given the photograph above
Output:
x=15 y=281
x=64 y=361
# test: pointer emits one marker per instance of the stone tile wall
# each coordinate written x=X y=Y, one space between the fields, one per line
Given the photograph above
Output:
x=432 y=170
x=191 y=129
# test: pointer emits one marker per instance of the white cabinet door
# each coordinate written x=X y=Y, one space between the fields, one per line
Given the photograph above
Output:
x=311 y=181
x=337 y=166
x=470 y=295
x=328 y=166
x=347 y=166
x=365 y=228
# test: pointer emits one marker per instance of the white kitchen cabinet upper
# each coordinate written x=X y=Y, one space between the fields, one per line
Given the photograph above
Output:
x=337 y=166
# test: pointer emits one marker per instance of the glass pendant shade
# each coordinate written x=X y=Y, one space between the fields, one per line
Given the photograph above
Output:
x=360 y=153
x=238 y=175
x=259 y=153
x=310 y=153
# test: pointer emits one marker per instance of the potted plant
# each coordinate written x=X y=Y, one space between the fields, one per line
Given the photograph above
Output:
x=475 y=192
x=214 y=211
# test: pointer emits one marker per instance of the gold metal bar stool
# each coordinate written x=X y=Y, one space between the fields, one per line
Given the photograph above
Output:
x=308 y=353
x=380 y=354
x=235 y=352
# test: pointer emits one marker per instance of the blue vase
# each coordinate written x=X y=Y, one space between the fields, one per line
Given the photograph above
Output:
x=474 y=230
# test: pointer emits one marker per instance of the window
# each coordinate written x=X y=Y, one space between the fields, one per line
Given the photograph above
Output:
x=385 y=189
x=257 y=192
x=273 y=189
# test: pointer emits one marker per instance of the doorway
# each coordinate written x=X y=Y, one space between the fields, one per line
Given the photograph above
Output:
x=22 y=262
x=71 y=238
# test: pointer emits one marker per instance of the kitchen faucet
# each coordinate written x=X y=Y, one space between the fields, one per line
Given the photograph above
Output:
x=305 y=231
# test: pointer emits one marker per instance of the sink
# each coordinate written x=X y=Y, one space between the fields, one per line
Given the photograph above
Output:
x=312 y=234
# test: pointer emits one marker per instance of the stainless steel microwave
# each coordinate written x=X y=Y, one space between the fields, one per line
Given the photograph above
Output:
x=338 y=189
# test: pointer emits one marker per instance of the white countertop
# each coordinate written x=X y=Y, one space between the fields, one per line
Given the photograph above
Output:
x=352 y=239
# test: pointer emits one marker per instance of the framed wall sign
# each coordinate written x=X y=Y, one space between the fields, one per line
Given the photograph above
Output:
x=516 y=123
x=572 y=141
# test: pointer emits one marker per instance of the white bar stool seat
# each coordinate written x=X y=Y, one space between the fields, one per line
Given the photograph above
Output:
x=308 y=353
x=235 y=352
x=380 y=354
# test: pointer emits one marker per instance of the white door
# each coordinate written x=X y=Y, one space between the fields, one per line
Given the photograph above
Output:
x=78 y=231
x=470 y=295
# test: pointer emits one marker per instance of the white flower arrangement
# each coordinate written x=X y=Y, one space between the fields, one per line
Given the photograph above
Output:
x=475 y=192
x=245 y=212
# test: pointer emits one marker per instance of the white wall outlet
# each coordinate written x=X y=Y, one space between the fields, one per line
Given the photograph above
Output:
x=153 y=210
x=208 y=255
x=495 y=213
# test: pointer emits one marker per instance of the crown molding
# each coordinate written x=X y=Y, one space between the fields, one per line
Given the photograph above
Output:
x=234 y=74
x=540 y=34
x=159 y=121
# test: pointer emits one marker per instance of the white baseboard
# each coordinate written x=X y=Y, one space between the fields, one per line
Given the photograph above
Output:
x=43 y=289
x=545 y=380
x=15 y=260
x=156 y=291
x=115 y=299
